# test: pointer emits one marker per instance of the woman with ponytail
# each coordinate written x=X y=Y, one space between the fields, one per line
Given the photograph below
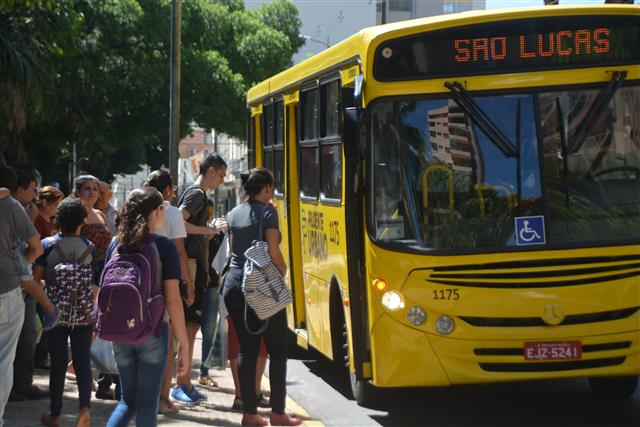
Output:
x=243 y=224
x=141 y=366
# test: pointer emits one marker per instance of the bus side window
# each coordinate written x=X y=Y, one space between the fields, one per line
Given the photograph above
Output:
x=330 y=143
x=309 y=169
x=278 y=148
x=267 y=136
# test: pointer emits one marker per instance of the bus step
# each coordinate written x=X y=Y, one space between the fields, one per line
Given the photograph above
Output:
x=302 y=338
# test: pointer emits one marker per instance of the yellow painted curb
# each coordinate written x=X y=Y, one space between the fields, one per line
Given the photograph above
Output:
x=293 y=406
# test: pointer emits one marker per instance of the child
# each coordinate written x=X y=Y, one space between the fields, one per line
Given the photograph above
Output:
x=32 y=287
x=69 y=267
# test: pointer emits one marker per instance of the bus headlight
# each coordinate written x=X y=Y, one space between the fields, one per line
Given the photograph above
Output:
x=445 y=324
x=393 y=300
x=416 y=315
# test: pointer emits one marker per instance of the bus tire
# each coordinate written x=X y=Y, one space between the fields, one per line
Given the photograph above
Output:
x=613 y=388
x=364 y=393
x=339 y=340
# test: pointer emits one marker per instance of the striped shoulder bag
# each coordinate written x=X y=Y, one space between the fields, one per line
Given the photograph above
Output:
x=263 y=286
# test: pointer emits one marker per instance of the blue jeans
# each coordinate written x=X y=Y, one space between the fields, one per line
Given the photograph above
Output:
x=210 y=307
x=26 y=349
x=141 y=369
x=11 y=319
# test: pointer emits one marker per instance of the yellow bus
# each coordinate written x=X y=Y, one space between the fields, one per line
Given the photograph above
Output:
x=459 y=197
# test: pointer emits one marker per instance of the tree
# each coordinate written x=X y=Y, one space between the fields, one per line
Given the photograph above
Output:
x=103 y=75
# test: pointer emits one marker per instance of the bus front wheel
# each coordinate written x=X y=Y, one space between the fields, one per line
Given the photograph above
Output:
x=613 y=387
x=363 y=391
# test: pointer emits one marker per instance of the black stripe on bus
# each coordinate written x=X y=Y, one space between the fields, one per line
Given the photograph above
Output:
x=552 y=366
x=573 y=319
x=539 y=263
x=553 y=284
x=534 y=274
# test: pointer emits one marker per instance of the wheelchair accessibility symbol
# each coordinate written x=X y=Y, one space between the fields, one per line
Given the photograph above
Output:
x=530 y=230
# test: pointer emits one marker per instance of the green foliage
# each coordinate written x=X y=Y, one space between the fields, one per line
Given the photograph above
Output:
x=97 y=73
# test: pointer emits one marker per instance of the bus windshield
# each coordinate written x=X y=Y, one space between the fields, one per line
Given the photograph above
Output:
x=439 y=182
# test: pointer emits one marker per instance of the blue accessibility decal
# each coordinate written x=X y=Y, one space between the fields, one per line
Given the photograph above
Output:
x=530 y=230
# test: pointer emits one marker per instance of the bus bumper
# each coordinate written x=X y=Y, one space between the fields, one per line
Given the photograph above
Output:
x=407 y=357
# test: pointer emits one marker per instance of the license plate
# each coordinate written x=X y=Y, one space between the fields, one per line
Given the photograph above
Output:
x=559 y=350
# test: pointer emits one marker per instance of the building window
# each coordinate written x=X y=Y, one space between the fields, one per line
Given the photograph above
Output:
x=400 y=5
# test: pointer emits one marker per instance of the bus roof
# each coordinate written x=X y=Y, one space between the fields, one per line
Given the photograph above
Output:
x=356 y=46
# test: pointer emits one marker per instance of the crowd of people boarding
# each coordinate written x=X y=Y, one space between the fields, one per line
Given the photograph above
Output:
x=113 y=298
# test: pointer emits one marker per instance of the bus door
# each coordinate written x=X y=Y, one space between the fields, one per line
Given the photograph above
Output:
x=289 y=215
x=277 y=124
x=308 y=192
x=322 y=220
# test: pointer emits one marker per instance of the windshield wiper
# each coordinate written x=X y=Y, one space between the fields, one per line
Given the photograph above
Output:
x=596 y=110
x=480 y=118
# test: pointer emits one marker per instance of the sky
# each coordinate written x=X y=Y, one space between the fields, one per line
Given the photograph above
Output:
x=499 y=4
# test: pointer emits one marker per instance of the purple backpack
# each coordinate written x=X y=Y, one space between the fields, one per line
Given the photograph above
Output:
x=130 y=304
x=71 y=292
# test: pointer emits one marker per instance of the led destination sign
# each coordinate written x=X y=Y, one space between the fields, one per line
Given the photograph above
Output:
x=513 y=46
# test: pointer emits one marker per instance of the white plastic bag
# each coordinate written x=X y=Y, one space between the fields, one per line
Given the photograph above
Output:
x=102 y=356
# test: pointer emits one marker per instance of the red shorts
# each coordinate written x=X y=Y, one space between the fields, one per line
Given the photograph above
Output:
x=234 y=345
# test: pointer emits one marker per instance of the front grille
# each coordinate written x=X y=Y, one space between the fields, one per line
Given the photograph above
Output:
x=589 y=348
x=538 y=273
x=572 y=319
x=551 y=366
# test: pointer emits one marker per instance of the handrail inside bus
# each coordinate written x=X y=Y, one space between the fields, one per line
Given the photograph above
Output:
x=466 y=102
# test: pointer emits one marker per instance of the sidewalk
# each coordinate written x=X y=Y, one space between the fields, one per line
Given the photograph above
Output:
x=215 y=411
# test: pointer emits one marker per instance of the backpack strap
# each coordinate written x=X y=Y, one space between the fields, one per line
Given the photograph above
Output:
x=150 y=239
x=81 y=258
x=264 y=210
x=86 y=253
x=60 y=252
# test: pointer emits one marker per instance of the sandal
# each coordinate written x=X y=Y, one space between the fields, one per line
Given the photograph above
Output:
x=207 y=382
x=237 y=403
x=50 y=421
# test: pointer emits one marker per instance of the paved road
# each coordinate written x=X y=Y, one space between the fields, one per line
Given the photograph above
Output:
x=316 y=386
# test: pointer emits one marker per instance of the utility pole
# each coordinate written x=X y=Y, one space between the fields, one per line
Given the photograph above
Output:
x=174 y=115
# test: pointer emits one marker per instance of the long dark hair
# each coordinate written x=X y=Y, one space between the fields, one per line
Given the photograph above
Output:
x=132 y=223
x=254 y=181
x=159 y=179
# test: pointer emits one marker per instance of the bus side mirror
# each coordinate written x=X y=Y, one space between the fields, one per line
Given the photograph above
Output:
x=351 y=130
